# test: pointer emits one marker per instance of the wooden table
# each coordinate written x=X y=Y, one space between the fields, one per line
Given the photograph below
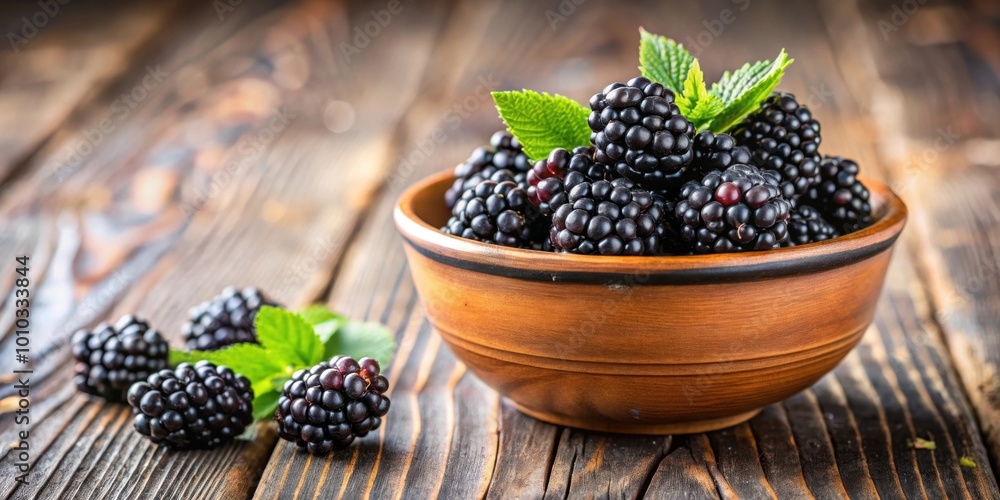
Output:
x=152 y=154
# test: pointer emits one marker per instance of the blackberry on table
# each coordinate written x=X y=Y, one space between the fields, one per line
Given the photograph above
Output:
x=735 y=210
x=551 y=178
x=494 y=211
x=110 y=358
x=841 y=197
x=638 y=129
x=327 y=406
x=783 y=136
x=806 y=225
x=225 y=320
x=609 y=218
x=503 y=153
x=200 y=406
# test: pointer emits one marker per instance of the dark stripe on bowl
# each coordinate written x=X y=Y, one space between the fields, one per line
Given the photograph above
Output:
x=730 y=274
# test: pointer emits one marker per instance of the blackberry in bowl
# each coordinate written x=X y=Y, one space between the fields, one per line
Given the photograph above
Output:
x=647 y=344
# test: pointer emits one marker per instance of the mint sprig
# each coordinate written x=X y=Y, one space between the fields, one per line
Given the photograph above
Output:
x=743 y=90
x=543 y=122
x=695 y=101
x=664 y=60
x=291 y=341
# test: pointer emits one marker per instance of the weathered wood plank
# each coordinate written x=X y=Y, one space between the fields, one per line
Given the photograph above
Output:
x=270 y=209
x=938 y=164
x=72 y=57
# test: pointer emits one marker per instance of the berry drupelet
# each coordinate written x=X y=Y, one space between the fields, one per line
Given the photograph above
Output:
x=840 y=196
x=806 y=225
x=200 y=406
x=551 y=178
x=494 y=211
x=637 y=128
x=716 y=152
x=503 y=153
x=225 y=320
x=609 y=218
x=783 y=136
x=735 y=210
x=110 y=358
x=329 y=405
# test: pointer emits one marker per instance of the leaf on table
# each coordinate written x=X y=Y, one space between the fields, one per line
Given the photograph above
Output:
x=359 y=339
x=288 y=336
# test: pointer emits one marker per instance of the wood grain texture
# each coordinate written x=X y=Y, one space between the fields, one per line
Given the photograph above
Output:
x=308 y=215
x=943 y=156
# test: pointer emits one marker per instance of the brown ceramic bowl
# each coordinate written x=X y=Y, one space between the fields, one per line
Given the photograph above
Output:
x=646 y=345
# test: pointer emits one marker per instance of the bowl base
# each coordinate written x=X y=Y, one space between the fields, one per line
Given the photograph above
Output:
x=689 y=427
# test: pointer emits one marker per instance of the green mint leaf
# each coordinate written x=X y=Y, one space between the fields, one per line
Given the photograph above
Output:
x=325 y=322
x=265 y=404
x=695 y=102
x=288 y=337
x=319 y=313
x=663 y=60
x=543 y=122
x=360 y=339
x=250 y=360
x=743 y=90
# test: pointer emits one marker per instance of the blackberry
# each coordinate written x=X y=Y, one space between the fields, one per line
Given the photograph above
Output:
x=637 y=128
x=200 y=406
x=551 y=178
x=783 y=136
x=806 y=225
x=110 y=358
x=716 y=152
x=609 y=218
x=735 y=210
x=494 y=211
x=224 y=320
x=327 y=406
x=840 y=196
x=503 y=153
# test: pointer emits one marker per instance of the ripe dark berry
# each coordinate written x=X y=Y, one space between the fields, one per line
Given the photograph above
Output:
x=494 y=212
x=806 y=225
x=110 y=358
x=224 y=320
x=783 y=136
x=503 y=153
x=609 y=218
x=738 y=209
x=326 y=407
x=199 y=406
x=637 y=128
x=550 y=180
x=840 y=196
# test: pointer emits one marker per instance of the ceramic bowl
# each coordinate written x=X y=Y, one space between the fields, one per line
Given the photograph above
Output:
x=646 y=345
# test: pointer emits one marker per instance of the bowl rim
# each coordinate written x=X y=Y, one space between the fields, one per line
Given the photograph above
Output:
x=535 y=265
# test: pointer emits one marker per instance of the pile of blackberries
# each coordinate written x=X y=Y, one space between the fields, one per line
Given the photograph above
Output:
x=650 y=184
x=204 y=405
